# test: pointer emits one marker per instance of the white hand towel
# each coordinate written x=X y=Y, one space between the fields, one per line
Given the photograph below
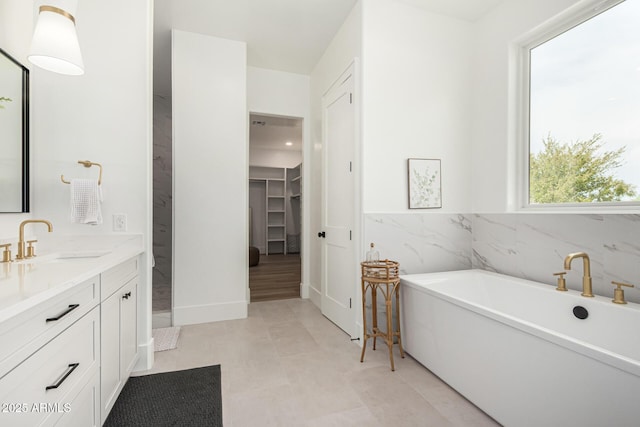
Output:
x=86 y=196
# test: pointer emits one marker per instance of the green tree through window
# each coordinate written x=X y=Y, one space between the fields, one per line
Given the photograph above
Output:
x=577 y=173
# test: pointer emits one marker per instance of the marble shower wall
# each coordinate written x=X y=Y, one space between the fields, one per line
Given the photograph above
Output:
x=529 y=246
x=533 y=246
x=162 y=202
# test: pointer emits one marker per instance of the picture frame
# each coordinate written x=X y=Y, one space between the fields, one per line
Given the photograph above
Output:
x=425 y=183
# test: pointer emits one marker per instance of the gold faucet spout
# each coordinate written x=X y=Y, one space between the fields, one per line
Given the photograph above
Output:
x=586 y=274
x=21 y=243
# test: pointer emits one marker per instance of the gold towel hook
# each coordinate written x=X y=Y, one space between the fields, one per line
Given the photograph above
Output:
x=86 y=164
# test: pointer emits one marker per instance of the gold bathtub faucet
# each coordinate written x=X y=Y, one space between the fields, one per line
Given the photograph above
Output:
x=586 y=276
x=21 y=243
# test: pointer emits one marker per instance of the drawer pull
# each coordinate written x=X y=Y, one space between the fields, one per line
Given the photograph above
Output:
x=72 y=367
x=127 y=295
x=61 y=315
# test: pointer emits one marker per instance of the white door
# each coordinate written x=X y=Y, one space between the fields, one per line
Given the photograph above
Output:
x=339 y=282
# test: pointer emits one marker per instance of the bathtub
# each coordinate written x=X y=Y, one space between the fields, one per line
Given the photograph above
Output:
x=516 y=350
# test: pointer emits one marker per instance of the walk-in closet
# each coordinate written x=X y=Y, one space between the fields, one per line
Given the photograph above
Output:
x=275 y=210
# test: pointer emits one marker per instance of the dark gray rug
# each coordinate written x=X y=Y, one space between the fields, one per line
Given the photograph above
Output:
x=189 y=398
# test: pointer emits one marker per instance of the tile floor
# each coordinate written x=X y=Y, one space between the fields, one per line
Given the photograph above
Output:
x=287 y=365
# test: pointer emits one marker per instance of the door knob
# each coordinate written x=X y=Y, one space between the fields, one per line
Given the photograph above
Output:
x=321 y=234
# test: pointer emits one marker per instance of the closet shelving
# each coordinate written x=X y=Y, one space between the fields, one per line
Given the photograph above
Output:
x=294 y=193
x=275 y=199
x=272 y=236
x=276 y=216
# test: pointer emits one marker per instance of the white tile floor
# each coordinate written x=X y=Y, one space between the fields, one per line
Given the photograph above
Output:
x=287 y=365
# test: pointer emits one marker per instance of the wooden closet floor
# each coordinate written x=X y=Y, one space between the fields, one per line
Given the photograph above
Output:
x=275 y=277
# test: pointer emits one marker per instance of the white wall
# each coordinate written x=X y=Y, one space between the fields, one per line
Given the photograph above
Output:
x=274 y=158
x=210 y=174
x=103 y=115
x=345 y=46
x=416 y=77
x=278 y=93
x=493 y=139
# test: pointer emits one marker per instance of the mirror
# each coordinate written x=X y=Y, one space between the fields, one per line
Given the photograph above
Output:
x=14 y=135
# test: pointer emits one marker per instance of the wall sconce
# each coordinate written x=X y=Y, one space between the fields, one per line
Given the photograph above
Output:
x=55 y=46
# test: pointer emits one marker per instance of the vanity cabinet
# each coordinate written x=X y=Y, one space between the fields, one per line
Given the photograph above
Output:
x=67 y=356
x=51 y=377
x=118 y=337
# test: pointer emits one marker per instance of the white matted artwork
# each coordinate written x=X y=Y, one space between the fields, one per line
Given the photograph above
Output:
x=425 y=190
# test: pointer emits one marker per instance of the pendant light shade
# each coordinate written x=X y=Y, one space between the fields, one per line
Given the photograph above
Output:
x=55 y=46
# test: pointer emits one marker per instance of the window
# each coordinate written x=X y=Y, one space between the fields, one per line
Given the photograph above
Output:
x=583 y=110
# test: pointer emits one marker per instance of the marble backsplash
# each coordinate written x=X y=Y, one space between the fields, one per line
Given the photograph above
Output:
x=533 y=246
x=530 y=246
x=421 y=243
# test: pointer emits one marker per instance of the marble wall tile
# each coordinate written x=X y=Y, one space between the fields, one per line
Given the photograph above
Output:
x=543 y=241
x=421 y=242
x=162 y=178
x=533 y=246
x=621 y=253
x=494 y=244
x=530 y=246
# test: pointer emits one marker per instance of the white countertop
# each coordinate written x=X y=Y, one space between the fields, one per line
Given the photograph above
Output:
x=27 y=283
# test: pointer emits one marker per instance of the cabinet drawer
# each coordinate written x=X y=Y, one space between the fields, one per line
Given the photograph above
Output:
x=32 y=329
x=114 y=278
x=47 y=382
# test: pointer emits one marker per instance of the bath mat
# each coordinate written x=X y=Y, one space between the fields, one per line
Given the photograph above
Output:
x=165 y=338
x=189 y=398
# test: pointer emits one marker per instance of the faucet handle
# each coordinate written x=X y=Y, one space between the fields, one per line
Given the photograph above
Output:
x=562 y=283
x=31 y=251
x=618 y=293
x=6 y=253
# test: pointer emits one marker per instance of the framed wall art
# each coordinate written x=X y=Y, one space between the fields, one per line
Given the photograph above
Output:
x=425 y=184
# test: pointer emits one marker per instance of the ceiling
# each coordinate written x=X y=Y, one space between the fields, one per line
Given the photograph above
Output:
x=284 y=35
x=272 y=132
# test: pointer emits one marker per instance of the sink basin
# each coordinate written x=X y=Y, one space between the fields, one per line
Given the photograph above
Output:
x=78 y=256
x=65 y=257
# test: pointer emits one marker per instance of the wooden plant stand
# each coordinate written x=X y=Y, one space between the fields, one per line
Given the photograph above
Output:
x=382 y=275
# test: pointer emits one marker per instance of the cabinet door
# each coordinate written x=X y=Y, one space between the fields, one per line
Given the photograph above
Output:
x=110 y=377
x=129 y=327
x=119 y=339
x=84 y=410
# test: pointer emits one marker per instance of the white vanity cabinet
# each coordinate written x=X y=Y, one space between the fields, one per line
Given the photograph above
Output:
x=69 y=343
x=49 y=375
x=118 y=337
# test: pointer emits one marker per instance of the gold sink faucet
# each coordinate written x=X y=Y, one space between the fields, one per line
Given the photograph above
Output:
x=21 y=243
x=586 y=276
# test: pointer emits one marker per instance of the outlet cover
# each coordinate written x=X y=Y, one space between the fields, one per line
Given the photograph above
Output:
x=119 y=222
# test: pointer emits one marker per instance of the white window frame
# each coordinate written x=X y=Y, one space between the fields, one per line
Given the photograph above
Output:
x=567 y=20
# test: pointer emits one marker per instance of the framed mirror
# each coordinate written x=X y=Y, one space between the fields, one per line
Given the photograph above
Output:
x=14 y=135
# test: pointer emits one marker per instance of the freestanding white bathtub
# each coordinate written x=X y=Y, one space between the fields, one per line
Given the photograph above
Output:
x=515 y=349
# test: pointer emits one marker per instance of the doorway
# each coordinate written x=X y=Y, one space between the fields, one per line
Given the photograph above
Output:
x=275 y=206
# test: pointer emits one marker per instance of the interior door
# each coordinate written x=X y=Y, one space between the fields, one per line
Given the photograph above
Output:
x=339 y=205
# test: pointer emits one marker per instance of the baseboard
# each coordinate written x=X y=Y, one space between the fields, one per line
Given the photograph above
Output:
x=360 y=335
x=314 y=295
x=146 y=356
x=304 y=291
x=195 y=314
